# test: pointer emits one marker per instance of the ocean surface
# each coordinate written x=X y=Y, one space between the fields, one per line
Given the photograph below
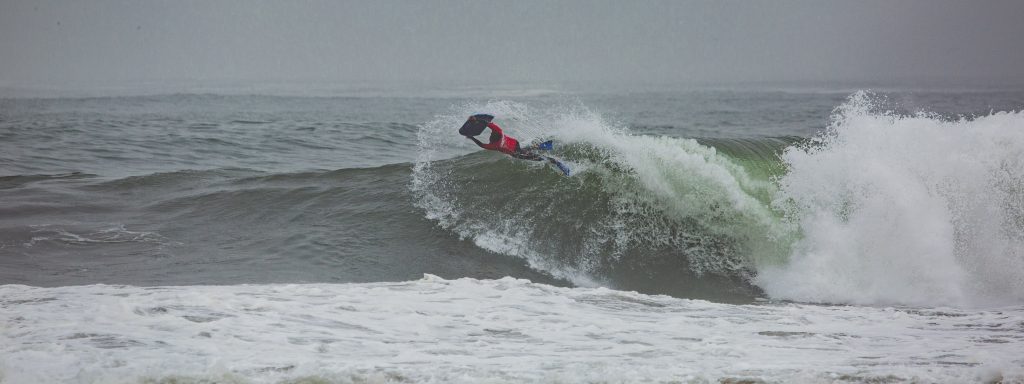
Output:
x=706 y=235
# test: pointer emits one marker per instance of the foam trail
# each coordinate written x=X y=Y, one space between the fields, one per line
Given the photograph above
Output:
x=905 y=209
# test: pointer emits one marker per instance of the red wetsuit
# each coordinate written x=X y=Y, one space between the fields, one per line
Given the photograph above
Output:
x=506 y=145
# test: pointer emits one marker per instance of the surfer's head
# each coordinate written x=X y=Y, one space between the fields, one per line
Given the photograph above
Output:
x=495 y=137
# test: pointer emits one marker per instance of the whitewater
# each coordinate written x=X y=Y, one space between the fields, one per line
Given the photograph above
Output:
x=705 y=236
x=508 y=330
x=905 y=209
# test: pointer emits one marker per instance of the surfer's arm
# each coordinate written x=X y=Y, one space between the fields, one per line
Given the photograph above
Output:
x=495 y=128
x=490 y=146
x=482 y=145
x=476 y=141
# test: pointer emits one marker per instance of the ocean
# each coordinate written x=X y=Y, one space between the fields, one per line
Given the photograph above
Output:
x=730 y=235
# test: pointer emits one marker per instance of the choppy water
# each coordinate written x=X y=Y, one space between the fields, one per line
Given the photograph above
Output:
x=907 y=204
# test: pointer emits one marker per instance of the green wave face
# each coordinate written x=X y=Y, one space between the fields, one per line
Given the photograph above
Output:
x=700 y=208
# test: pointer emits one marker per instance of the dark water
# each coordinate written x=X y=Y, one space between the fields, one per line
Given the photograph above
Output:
x=208 y=189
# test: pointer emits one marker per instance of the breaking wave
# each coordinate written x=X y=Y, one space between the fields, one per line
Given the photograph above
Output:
x=879 y=208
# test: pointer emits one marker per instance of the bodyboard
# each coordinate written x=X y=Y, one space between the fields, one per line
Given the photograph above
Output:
x=475 y=124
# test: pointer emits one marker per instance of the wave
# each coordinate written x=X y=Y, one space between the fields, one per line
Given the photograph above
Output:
x=637 y=206
x=880 y=208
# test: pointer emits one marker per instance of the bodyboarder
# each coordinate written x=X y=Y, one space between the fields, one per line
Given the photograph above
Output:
x=503 y=143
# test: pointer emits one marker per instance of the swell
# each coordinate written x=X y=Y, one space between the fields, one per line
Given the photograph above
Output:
x=230 y=226
x=131 y=136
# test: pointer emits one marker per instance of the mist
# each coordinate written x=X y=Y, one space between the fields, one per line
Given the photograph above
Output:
x=55 y=44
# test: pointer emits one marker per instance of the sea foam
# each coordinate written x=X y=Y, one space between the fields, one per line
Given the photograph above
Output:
x=481 y=331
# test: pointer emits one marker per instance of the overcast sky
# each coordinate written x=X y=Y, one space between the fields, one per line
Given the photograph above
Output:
x=55 y=43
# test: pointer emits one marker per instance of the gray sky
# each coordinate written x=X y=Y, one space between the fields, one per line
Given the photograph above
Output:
x=110 y=43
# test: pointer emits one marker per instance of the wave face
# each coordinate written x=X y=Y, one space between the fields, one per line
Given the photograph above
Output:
x=882 y=207
x=635 y=203
x=907 y=209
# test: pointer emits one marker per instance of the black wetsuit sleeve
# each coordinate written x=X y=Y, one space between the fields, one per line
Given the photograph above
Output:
x=476 y=141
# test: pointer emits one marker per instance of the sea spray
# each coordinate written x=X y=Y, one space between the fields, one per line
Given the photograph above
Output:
x=905 y=209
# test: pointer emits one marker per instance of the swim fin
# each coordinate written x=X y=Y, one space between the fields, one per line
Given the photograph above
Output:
x=562 y=167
